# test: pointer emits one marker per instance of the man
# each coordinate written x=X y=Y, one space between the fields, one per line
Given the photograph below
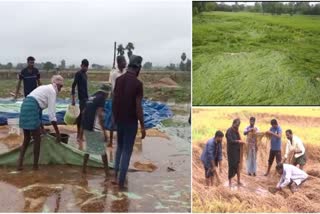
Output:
x=291 y=176
x=275 y=152
x=295 y=145
x=233 y=150
x=30 y=77
x=95 y=142
x=211 y=157
x=127 y=111
x=122 y=63
x=252 y=147
x=39 y=99
x=81 y=81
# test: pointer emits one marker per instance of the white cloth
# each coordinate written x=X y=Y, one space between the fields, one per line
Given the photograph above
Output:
x=46 y=96
x=114 y=74
x=296 y=144
x=291 y=173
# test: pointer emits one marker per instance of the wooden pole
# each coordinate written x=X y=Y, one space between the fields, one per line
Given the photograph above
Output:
x=114 y=55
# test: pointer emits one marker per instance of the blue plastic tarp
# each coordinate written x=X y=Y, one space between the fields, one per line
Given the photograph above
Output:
x=154 y=113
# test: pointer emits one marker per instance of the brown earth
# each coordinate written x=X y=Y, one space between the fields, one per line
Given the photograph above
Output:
x=165 y=82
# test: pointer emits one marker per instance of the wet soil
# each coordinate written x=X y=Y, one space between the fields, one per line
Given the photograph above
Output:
x=63 y=188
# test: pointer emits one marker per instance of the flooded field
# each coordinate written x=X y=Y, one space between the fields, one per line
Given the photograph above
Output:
x=62 y=188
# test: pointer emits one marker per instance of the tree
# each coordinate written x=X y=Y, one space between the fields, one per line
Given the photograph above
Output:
x=147 y=66
x=120 y=50
x=171 y=67
x=130 y=47
x=257 y=7
x=198 y=7
x=48 y=66
x=9 y=66
x=63 y=64
x=210 y=6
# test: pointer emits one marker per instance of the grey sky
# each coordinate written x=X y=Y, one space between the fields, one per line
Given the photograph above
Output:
x=56 y=30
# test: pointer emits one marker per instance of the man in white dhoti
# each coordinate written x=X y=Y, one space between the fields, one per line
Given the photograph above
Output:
x=291 y=176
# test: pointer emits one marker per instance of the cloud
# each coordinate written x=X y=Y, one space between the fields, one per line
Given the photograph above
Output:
x=56 y=30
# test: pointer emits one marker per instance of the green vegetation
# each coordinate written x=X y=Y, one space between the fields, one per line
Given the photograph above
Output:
x=178 y=95
x=250 y=58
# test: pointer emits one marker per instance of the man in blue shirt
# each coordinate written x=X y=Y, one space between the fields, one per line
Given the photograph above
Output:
x=81 y=82
x=30 y=77
x=211 y=157
x=275 y=152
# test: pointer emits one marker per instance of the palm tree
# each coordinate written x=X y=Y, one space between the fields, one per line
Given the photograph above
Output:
x=130 y=47
x=120 y=50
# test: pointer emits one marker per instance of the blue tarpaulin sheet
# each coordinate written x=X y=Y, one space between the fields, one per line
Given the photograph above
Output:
x=154 y=112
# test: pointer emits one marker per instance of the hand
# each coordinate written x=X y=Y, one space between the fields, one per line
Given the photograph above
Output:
x=58 y=138
x=220 y=170
x=269 y=132
x=143 y=133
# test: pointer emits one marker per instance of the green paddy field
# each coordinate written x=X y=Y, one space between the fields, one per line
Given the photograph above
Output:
x=256 y=59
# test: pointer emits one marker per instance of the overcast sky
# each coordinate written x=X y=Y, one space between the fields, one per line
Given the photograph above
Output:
x=73 y=30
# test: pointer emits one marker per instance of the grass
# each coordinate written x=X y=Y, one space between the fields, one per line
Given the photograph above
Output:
x=252 y=59
x=178 y=95
x=303 y=121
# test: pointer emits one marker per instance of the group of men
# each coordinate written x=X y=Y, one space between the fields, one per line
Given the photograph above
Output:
x=290 y=174
x=126 y=93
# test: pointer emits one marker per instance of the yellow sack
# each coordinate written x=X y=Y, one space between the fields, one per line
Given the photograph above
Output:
x=72 y=114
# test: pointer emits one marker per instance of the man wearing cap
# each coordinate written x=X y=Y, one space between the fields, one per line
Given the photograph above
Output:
x=30 y=116
x=122 y=63
x=95 y=141
x=252 y=147
x=127 y=111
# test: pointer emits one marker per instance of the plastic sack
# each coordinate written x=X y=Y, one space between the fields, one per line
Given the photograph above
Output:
x=71 y=114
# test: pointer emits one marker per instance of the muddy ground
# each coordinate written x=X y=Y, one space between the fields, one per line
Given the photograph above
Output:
x=255 y=195
x=64 y=189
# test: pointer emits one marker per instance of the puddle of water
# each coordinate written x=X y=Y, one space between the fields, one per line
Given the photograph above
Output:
x=64 y=189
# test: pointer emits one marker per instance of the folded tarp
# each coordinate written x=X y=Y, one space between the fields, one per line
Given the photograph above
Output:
x=50 y=153
x=153 y=112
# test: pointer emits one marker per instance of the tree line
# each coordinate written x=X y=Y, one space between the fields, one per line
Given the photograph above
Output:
x=274 y=8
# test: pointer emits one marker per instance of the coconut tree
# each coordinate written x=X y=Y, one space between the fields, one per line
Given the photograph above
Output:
x=120 y=50
x=130 y=47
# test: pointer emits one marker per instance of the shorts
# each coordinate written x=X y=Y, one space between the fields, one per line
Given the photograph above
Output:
x=274 y=154
x=95 y=143
x=207 y=171
x=300 y=160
